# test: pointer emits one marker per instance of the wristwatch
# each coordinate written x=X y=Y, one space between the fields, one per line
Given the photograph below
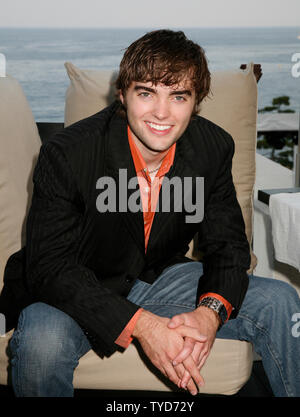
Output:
x=217 y=306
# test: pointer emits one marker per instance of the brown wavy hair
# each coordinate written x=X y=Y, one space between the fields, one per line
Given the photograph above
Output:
x=167 y=57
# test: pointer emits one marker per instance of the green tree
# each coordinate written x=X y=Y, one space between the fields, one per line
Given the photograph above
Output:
x=277 y=104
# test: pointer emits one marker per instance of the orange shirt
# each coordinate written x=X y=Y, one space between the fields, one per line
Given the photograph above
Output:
x=149 y=189
x=149 y=195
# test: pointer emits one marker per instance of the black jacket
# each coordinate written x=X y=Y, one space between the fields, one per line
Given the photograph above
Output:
x=85 y=262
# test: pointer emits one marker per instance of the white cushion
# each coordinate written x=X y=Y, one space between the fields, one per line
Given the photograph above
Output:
x=89 y=92
x=19 y=147
x=227 y=369
x=127 y=371
x=233 y=106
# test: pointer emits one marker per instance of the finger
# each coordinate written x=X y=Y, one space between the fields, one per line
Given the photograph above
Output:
x=191 y=367
x=171 y=373
x=197 y=352
x=192 y=387
x=186 y=382
x=187 y=331
x=186 y=351
x=174 y=373
x=175 y=322
x=203 y=360
x=204 y=352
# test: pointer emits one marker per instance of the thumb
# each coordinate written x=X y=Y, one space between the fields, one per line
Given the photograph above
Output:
x=187 y=331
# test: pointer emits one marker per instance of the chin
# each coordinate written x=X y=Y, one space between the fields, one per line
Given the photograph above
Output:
x=159 y=148
x=160 y=144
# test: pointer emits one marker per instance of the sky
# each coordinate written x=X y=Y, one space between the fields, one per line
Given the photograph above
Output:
x=150 y=13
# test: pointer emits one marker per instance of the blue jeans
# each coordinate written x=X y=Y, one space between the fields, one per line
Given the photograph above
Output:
x=47 y=344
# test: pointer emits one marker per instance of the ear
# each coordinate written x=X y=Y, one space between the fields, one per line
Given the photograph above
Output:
x=121 y=97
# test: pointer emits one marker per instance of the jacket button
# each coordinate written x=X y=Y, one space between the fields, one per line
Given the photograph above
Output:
x=129 y=278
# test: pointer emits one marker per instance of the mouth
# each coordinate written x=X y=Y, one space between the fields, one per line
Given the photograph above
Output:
x=159 y=129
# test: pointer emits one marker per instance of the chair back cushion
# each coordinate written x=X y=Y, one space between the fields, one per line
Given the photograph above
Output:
x=232 y=105
x=19 y=147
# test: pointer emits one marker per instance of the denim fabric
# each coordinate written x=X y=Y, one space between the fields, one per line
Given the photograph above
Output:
x=46 y=348
x=47 y=345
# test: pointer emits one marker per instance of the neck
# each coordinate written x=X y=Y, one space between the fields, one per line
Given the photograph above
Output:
x=152 y=158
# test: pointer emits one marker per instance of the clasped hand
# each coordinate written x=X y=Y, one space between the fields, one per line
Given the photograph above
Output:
x=178 y=347
x=206 y=322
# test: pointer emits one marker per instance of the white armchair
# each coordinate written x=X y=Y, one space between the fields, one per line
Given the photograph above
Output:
x=232 y=105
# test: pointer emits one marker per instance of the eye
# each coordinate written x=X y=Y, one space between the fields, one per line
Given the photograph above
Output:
x=144 y=94
x=179 y=98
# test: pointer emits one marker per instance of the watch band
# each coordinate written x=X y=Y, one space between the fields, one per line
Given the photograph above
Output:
x=217 y=306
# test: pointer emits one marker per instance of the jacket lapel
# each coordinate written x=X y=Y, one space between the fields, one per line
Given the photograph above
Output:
x=181 y=169
x=119 y=165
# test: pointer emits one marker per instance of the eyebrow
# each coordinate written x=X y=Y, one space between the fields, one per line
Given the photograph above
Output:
x=173 y=93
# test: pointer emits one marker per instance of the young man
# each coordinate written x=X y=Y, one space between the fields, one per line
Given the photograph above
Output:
x=109 y=227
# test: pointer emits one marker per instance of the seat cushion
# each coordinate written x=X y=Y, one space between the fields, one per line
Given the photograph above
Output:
x=127 y=371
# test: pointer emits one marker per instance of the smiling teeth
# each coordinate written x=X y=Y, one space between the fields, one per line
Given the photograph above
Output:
x=158 y=127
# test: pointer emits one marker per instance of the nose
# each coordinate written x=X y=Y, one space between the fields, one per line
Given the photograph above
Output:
x=161 y=109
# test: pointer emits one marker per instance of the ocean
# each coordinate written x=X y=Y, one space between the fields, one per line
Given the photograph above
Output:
x=36 y=57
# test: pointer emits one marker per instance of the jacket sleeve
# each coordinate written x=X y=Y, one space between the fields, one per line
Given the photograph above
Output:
x=222 y=239
x=55 y=273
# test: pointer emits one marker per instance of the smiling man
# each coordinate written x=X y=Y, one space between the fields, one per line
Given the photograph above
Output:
x=98 y=279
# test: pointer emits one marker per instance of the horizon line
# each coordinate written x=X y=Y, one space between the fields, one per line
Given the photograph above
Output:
x=153 y=27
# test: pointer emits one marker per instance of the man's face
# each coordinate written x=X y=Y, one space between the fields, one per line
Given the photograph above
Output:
x=158 y=114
